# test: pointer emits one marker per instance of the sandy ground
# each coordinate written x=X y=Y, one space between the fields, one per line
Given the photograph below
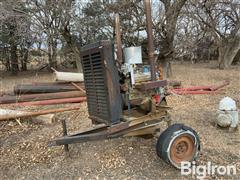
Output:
x=24 y=153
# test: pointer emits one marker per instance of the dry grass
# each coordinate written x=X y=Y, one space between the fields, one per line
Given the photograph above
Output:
x=25 y=155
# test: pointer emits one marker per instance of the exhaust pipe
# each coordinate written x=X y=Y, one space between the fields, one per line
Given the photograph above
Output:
x=118 y=39
x=147 y=4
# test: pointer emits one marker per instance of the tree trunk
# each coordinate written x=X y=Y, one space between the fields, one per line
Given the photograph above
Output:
x=228 y=51
x=52 y=52
x=13 y=48
x=71 y=42
x=8 y=66
x=169 y=27
x=166 y=66
x=14 y=59
x=236 y=59
x=7 y=57
x=227 y=55
x=24 y=59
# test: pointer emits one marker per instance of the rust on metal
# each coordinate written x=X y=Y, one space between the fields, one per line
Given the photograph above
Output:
x=151 y=85
x=118 y=127
x=78 y=139
x=101 y=82
x=118 y=39
x=64 y=127
x=97 y=128
x=193 y=92
x=148 y=117
x=147 y=124
x=78 y=87
x=150 y=38
x=38 y=97
x=145 y=130
x=216 y=87
x=200 y=89
x=182 y=149
x=44 y=88
x=48 y=102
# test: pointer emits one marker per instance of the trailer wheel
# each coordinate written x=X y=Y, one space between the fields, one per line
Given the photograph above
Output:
x=178 y=143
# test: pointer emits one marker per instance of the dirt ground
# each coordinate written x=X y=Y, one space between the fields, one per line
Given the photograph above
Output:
x=24 y=153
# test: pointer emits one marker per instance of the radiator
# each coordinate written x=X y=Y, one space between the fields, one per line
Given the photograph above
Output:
x=101 y=82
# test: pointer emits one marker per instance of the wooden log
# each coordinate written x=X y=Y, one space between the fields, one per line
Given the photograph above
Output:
x=38 y=97
x=44 y=119
x=35 y=89
x=68 y=76
x=11 y=114
x=48 y=102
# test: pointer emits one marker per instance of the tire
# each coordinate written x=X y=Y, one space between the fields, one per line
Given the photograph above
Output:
x=178 y=143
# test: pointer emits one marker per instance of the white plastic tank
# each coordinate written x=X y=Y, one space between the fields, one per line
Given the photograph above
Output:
x=133 y=55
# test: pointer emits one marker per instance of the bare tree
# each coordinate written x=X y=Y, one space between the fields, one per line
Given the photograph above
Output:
x=181 y=28
x=15 y=34
x=45 y=17
x=54 y=19
x=222 y=19
x=167 y=30
x=69 y=10
x=98 y=20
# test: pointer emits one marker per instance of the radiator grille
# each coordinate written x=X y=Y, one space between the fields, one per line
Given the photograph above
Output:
x=101 y=88
x=94 y=82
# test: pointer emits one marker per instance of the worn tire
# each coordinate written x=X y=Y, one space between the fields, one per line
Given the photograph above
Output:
x=178 y=143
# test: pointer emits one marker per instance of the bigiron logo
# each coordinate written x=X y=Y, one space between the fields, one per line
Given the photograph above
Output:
x=202 y=171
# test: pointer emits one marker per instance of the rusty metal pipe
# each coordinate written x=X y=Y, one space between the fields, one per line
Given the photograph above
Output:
x=118 y=39
x=47 y=88
x=147 y=4
x=46 y=102
x=39 y=97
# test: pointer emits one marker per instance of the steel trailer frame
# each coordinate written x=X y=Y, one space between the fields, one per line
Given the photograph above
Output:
x=134 y=126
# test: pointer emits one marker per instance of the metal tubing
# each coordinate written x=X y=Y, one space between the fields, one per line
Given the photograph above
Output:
x=147 y=4
x=203 y=88
x=78 y=139
x=47 y=102
x=39 y=97
x=64 y=126
x=44 y=88
x=193 y=92
x=216 y=87
x=118 y=39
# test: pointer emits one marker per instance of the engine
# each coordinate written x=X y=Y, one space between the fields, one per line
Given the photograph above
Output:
x=133 y=75
x=113 y=90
